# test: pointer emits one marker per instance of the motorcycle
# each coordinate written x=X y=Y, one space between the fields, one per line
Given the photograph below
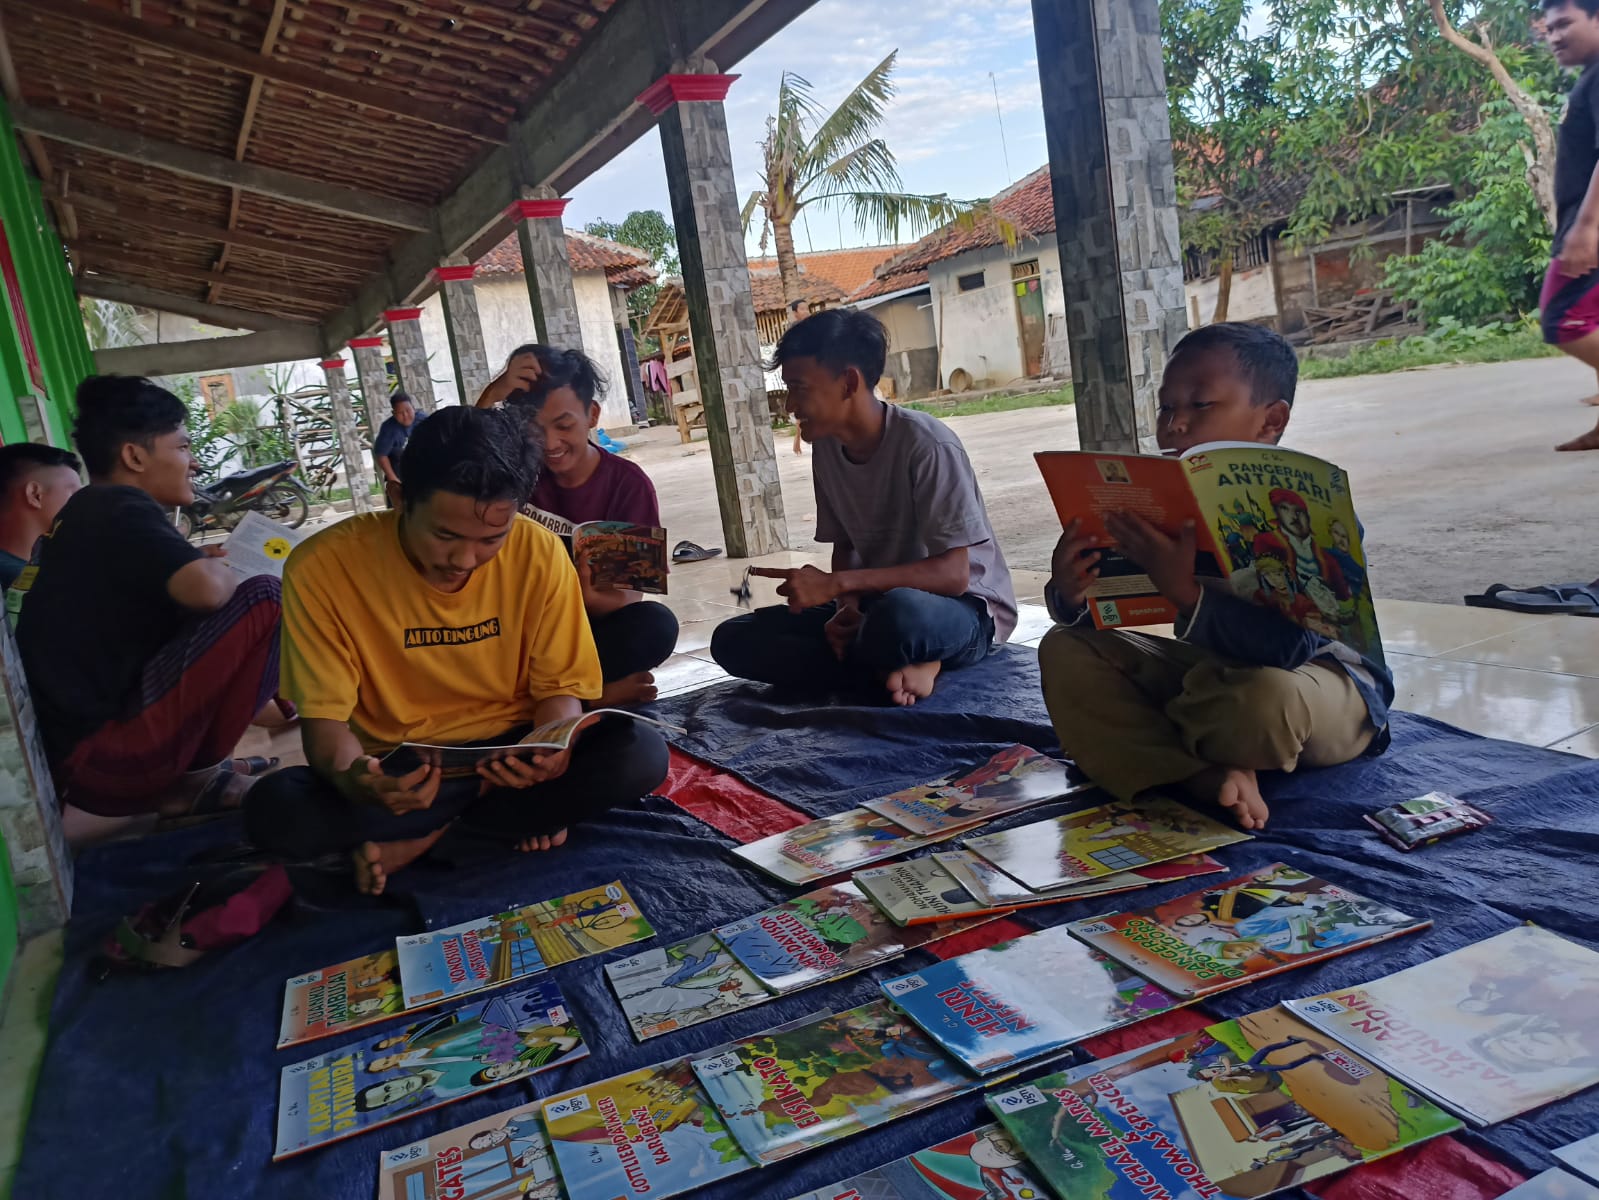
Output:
x=271 y=491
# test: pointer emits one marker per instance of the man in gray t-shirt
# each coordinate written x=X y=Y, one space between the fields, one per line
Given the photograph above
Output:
x=917 y=582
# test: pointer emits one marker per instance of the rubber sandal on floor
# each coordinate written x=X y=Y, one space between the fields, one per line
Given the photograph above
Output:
x=1578 y=599
x=210 y=800
x=256 y=764
x=689 y=552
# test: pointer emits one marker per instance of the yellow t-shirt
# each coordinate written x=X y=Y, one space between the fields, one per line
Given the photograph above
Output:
x=367 y=641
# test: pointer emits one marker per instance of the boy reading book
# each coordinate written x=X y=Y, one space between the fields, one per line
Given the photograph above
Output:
x=1242 y=688
x=477 y=635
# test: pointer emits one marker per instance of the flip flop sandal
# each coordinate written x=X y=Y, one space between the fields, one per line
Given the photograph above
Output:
x=688 y=552
x=255 y=764
x=1576 y=599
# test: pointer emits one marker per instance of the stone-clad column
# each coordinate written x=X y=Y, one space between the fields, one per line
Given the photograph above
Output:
x=30 y=812
x=548 y=270
x=411 y=355
x=374 y=377
x=465 y=329
x=353 y=447
x=716 y=283
x=1109 y=136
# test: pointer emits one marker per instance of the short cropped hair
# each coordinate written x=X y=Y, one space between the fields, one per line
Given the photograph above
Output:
x=560 y=368
x=20 y=458
x=400 y=398
x=837 y=338
x=1591 y=7
x=480 y=453
x=114 y=410
x=1262 y=354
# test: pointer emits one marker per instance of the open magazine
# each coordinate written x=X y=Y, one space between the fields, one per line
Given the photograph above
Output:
x=620 y=554
x=457 y=761
x=259 y=546
x=1273 y=526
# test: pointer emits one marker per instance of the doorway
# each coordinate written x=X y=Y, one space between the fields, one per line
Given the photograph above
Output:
x=1026 y=282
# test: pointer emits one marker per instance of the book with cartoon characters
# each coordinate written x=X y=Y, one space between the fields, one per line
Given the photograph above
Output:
x=503 y=1157
x=620 y=554
x=1241 y=1109
x=1094 y=842
x=337 y=999
x=825 y=934
x=831 y=846
x=418 y=1067
x=1273 y=526
x=981 y=1165
x=1490 y=1031
x=673 y=987
x=1263 y=923
x=1024 y=998
x=1014 y=779
x=990 y=886
x=787 y=1091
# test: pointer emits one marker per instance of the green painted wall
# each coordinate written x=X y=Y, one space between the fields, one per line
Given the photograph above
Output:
x=50 y=315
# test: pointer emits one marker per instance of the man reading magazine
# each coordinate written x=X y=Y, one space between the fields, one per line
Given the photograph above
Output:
x=1243 y=688
x=477 y=635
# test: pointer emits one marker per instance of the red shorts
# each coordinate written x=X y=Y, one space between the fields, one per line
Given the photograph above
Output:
x=1569 y=307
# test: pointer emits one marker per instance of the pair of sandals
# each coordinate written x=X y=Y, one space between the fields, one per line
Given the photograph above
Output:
x=1576 y=599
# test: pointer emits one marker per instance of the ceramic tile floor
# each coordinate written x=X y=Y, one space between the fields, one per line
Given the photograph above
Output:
x=1530 y=679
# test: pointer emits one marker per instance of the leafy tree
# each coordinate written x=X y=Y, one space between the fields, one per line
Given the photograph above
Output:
x=652 y=233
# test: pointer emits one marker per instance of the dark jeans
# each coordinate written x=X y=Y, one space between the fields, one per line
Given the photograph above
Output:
x=299 y=815
x=637 y=637
x=900 y=627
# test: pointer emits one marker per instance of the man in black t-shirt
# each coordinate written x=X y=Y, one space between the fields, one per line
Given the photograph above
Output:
x=1570 y=299
x=147 y=657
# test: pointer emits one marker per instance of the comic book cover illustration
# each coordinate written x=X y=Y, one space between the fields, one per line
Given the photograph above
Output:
x=991 y=887
x=833 y=845
x=337 y=999
x=1271 y=920
x=1023 y=998
x=787 y=1091
x=673 y=987
x=824 y=934
x=919 y=891
x=503 y=1157
x=1491 y=1030
x=622 y=555
x=443 y=963
x=651 y=1132
x=1241 y=1109
x=1095 y=842
x=981 y=1165
x=457 y=1053
x=1582 y=1157
x=597 y=919
x=1013 y=779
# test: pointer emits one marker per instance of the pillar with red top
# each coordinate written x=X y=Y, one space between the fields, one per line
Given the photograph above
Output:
x=411 y=355
x=374 y=377
x=547 y=267
x=464 y=326
x=353 y=448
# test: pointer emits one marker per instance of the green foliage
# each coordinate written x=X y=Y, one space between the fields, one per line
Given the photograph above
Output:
x=108 y=324
x=233 y=432
x=954 y=406
x=1449 y=342
x=651 y=232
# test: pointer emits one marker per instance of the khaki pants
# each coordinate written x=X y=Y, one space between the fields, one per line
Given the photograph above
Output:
x=1136 y=711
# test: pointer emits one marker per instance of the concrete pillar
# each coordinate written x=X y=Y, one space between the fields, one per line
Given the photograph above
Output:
x=465 y=329
x=353 y=448
x=30 y=813
x=374 y=377
x=716 y=283
x=1109 y=136
x=548 y=271
x=411 y=355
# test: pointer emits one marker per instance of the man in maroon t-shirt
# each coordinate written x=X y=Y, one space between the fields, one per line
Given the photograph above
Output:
x=558 y=390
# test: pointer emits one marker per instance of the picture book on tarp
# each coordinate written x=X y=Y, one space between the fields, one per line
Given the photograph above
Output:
x=620 y=554
x=673 y=987
x=1013 y=779
x=787 y=1091
x=832 y=845
x=459 y=1052
x=1553 y=1184
x=259 y=545
x=457 y=762
x=921 y=891
x=337 y=999
x=503 y=1157
x=1244 y=1108
x=1582 y=1157
x=991 y=887
x=1491 y=1030
x=1024 y=998
x=650 y=1132
x=1273 y=526
x=981 y=1165
x=1095 y=842
x=821 y=935
x=1271 y=920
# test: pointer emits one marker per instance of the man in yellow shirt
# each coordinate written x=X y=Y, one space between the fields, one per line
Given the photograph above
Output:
x=452 y=620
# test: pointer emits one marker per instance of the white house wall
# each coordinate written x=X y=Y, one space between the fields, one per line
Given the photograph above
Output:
x=978 y=330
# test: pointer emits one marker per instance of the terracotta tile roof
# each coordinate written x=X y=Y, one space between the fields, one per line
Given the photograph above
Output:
x=885 y=285
x=847 y=269
x=625 y=266
x=1028 y=205
x=766 y=289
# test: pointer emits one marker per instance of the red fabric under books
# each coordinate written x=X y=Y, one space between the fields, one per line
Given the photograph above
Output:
x=725 y=802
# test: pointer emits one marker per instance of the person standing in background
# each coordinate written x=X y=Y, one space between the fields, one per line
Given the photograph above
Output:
x=391 y=439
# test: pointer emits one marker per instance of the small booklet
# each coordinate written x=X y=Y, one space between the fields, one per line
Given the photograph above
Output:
x=621 y=554
x=1242 y=1109
x=1024 y=998
x=991 y=886
x=833 y=845
x=259 y=546
x=345 y=996
x=1260 y=924
x=503 y=1157
x=825 y=934
x=470 y=1049
x=672 y=987
x=981 y=1165
x=459 y=761
x=1013 y=779
x=1490 y=1031
x=1095 y=842
x=1582 y=1157
x=787 y=1091
x=1273 y=526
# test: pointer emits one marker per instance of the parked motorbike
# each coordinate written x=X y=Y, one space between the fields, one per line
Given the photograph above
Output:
x=271 y=491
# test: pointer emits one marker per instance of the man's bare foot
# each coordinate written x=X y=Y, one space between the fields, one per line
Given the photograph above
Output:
x=1588 y=441
x=909 y=684
x=638 y=688
x=1236 y=790
x=542 y=841
x=376 y=861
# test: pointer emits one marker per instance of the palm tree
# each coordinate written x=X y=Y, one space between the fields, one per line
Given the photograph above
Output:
x=836 y=159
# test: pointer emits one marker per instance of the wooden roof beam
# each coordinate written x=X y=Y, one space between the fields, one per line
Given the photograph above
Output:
x=219 y=169
x=110 y=256
x=106 y=287
x=212 y=354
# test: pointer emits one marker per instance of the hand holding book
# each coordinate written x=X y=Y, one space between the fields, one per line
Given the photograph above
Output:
x=1167 y=560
